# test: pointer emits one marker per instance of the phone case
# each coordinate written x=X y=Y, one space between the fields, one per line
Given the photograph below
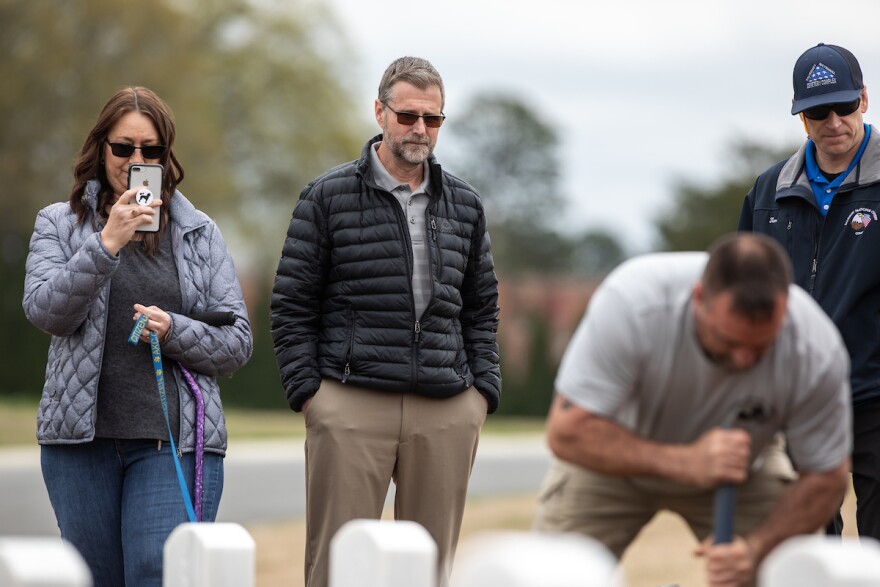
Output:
x=147 y=176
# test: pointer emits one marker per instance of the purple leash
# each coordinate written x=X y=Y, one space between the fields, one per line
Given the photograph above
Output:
x=213 y=319
x=200 y=438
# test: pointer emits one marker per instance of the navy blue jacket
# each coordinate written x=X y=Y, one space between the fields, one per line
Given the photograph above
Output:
x=837 y=257
x=342 y=304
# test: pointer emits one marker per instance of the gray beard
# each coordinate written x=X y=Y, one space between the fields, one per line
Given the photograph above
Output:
x=412 y=153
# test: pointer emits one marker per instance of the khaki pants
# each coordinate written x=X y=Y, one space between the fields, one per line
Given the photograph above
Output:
x=613 y=510
x=358 y=440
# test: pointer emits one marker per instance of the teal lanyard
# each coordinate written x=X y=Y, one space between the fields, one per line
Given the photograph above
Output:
x=133 y=338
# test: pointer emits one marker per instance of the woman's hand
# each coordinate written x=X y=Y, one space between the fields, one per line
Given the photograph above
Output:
x=158 y=321
x=124 y=218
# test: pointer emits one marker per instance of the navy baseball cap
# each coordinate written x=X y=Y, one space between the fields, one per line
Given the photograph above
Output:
x=825 y=74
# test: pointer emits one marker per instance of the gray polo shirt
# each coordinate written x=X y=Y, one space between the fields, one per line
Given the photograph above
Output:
x=414 y=204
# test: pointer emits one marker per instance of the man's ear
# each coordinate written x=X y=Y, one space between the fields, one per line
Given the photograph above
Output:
x=700 y=299
x=804 y=121
x=380 y=113
x=697 y=293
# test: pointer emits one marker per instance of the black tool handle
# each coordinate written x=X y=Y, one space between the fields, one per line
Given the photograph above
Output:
x=724 y=513
x=725 y=500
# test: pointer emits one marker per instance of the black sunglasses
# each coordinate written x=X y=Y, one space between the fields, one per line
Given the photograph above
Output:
x=125 y=150
x=409 y=119
x=840 y=109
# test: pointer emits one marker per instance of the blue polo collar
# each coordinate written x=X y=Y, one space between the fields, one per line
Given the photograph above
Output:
x=825 y=190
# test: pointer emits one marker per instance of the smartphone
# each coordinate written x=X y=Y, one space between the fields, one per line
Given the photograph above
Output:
x=147 y=177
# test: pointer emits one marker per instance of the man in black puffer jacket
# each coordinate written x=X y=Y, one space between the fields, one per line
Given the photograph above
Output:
x=384 y=317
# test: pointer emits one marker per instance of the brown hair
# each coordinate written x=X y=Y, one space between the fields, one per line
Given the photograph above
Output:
x=412 y=70
x=89 y=163
x=753 y=268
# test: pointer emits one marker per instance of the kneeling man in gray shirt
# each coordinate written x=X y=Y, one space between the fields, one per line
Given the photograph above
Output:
x=680 y=378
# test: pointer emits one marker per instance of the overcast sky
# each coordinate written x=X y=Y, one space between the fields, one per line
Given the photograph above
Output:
x=641 y=92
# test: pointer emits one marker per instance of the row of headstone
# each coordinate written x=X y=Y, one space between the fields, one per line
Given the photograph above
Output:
x=195 y=555
x=368 y=553
x=371 y=553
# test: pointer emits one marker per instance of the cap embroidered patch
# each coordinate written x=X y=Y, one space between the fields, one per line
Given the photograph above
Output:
x=820 y=75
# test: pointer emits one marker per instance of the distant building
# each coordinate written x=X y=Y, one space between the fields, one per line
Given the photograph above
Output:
x=557 y=302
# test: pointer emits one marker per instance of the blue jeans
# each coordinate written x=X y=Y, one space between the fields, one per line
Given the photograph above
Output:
x=117 y=501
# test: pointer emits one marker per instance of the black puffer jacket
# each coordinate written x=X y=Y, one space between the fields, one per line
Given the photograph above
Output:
x=342 y=304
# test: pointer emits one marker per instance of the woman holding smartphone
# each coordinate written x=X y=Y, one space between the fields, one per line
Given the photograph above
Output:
x=104 y=428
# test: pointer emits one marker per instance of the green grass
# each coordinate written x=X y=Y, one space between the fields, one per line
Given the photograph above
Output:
x=18 y=417
x=18 y=420
x=264 y=424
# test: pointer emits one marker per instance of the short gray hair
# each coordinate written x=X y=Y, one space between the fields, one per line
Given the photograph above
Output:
x=412 y=70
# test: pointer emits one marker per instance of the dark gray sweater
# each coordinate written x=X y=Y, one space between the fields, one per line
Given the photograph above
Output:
x=128 y=396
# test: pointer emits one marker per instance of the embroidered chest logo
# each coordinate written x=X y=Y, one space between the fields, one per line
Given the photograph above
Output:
x=446 y=226
x=860 y=218
x=755 y=410
x=754 y=414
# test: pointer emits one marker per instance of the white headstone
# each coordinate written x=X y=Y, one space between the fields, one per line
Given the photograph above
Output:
x=376 y=553
x=41 y=562
x=209 y=555
x=822 y=561
x=532 y=559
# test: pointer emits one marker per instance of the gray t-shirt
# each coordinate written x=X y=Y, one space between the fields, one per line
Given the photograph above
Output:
x=635 y=359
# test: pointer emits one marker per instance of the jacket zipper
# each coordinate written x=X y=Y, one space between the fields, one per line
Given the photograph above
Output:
x=815 y=267
x=417 y=330
x=347 y=370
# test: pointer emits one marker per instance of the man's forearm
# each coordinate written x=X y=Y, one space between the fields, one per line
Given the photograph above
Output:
x=804 y=507
x=598 y=444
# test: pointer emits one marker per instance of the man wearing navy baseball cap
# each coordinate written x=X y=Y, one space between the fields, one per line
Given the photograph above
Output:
x=822 y=204
x=826 y=75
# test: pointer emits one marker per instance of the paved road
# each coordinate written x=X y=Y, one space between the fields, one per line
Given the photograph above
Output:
x=263 y=481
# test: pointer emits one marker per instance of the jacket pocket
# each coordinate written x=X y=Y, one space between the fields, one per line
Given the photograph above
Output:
x=348 y=354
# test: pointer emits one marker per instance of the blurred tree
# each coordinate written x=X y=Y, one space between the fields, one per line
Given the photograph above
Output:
x=700 y=214
x=258 y=384
x=261 y=103
x=501 y=147
x=596 y=253
x=255 y=88
x=530 y=394
x=509 y=155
